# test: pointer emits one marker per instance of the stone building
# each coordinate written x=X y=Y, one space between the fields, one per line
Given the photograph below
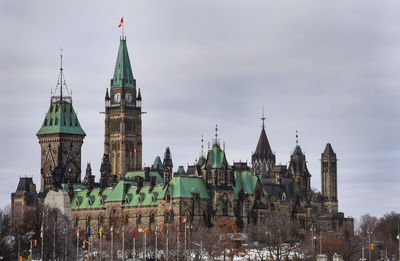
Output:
x=129 y=195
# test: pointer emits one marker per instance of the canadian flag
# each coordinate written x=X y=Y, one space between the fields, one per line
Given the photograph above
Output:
x=122 y=21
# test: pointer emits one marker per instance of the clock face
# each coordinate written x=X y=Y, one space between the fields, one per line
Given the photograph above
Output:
x=128 y=97
x=117 y=97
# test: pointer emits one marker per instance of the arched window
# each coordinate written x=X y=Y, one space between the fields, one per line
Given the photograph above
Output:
x=126 y=219
x=139 y=219
x=166 y=220
x=152 y=218
x=101 y=220
x=168 y=197
x=171 y=217
x=76 y=221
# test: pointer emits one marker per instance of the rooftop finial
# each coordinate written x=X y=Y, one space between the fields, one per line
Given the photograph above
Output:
x=263 y=117
x=202 y=145
x=297 y=138
x=121 y=25
x=216 y=141
x=61 y=83
x=61 y=74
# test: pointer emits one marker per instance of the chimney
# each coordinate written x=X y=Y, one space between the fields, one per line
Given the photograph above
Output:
x=152 y=183
x=146 y=173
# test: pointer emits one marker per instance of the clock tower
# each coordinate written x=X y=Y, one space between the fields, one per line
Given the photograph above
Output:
x=123 y=121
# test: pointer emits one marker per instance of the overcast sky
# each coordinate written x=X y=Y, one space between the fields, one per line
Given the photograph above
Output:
x=329 y=69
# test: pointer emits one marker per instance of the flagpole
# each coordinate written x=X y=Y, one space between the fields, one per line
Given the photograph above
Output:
x=41 y=251
x=123 y=242
x=65 y=244
x=177 y=241
x=101 y=228
x=112 y=239
x=134 y=243
x=144 y=254
x=185 y=239
x=122 y=29
x=54 y=243
x=156 y=246
x=77 y=242
x=167 y=244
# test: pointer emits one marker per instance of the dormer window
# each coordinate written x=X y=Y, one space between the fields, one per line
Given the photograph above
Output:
x=140 y=199
x=76 y=203
x=89 y=202
x=153 y=198
x=126 y=199
x=101 y=201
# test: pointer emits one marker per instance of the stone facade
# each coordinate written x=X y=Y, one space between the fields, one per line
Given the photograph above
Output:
x=156 y=197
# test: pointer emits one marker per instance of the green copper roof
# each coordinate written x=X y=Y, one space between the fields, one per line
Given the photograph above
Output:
x=216 y=157
x=145 y=197
x=123 y=69
x=183 y=187
x=181 y=170
x=297 y=150
x=244 y=180
x=157 y=163
x=80 y=199
x=61 y=118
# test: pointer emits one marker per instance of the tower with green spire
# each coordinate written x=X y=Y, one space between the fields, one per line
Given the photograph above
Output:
x=60 y=138
x=123 y=121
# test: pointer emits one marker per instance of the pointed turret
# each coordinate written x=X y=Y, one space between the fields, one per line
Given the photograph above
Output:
x=167 y=166
x=123 y=76
x=263 y=159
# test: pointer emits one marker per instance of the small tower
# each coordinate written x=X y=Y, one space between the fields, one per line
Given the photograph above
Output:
x=106 y=180
x=263 y=159
x=123 y=118
x=60 y=138
x=167 y=166
x=89 y=178
x=299 y=171
x=329 y=178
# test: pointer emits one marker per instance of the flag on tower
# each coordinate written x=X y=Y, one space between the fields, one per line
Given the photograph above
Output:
x=122 y=21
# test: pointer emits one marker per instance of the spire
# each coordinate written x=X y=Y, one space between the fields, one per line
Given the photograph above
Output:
x=263 y=118
x=297 y=149
x=216 y=140
x=57 y=95
x=328 y=152
x=123 y=75
x=263 y=147
x=202 y=146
